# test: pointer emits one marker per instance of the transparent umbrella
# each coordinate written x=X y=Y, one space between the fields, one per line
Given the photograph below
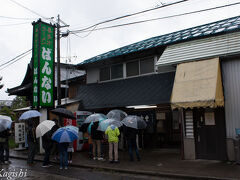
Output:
x=103 y=125
x=116 y=114
x=5 y=122
x=95 y=117
x=135 y=122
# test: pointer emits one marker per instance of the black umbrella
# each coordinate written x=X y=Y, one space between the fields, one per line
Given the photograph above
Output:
x=63 y=112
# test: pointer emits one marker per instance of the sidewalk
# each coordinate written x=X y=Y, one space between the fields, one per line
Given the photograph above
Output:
x=166 y=162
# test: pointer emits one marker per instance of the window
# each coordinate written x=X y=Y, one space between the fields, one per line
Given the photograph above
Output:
x=146 y=66
x=117 y=71
x=132 y=68
x=105 y=74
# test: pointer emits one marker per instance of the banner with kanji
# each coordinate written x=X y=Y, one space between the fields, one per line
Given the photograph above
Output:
x=43 y=64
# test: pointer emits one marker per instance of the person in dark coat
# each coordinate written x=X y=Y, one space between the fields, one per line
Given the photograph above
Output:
x=62 y=148
x=6 y=145
x=47 y=143
x=130 y=135
x=32 y=143
x=2 y=141
x=55 y=144
x=97 y=137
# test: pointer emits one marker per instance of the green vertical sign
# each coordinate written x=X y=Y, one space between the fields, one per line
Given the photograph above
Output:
x=43 y=63
x=35 y=65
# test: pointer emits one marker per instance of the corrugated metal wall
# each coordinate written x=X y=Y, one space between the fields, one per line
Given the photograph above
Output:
x=200 y=49
x=231 y=83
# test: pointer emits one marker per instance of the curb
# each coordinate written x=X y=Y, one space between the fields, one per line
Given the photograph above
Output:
x=148 y=173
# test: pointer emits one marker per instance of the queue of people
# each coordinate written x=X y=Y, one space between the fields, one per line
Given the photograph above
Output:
x=65 y=150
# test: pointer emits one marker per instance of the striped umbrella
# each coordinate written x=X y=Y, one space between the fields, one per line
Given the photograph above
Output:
x=65 y=134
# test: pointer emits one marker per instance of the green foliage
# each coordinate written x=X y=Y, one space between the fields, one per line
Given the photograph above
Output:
x=19 y=102
x=8 y=112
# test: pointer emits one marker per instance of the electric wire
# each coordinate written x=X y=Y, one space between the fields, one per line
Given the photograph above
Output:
x=15 y=60
x=7 y=17
x=133 y=14
x=16 y=57
x=153 y=19
x=50 y=19
x=16 y=24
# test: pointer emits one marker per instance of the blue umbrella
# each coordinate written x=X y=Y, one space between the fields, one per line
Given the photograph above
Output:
x=65 y=134
x=29 y=114
x=74 y=128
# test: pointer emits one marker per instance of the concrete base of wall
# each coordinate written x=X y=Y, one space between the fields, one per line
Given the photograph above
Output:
x=230 y=149
x=189 y=149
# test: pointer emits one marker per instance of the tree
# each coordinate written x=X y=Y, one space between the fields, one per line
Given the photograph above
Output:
x=1 y=85
x=19 y=102
x=8 y=112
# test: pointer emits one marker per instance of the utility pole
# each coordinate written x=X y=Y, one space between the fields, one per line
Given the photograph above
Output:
x=58 y=63
x=59 y=94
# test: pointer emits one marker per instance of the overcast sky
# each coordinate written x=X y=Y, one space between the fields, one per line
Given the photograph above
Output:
x=16 y=39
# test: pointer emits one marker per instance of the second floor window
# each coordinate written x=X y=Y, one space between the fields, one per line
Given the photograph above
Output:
x=146 y=65
x=117 y=71
x=105 y=74
x=132 y=68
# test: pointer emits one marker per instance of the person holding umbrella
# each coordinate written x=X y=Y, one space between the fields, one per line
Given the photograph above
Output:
x=32 y=143
x=5 y=126
x=113 y=132
x=130 y=129
x=97 y=137
x=64 y=136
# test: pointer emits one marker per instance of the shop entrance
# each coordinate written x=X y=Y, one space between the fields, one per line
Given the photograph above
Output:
x=210 y=135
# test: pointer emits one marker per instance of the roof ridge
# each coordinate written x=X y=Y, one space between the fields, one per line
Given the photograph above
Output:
x=163 y=40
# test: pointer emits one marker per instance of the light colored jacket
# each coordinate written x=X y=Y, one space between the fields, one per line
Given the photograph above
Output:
x=112 y=134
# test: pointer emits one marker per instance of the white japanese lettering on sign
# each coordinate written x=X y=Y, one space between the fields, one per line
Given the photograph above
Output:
x=46 y=54
x=46 y=82
x=46 y=97
x=46 y=69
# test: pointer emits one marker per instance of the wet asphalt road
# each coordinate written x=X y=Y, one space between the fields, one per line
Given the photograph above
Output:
x=36 y=172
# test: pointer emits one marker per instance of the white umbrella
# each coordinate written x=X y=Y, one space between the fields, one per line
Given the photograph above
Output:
x=44 y=127
x=5 y=122
x=29 y=114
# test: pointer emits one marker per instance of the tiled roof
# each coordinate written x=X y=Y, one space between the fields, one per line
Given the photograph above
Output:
x=226 y=25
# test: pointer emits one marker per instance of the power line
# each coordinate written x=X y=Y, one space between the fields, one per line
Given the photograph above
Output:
x=15 y=18
x=153 y=19
x=28 y=9
x=133 y=14
x=16 y=57
x=34 y=12
x=15 y=61
x=14 y=24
